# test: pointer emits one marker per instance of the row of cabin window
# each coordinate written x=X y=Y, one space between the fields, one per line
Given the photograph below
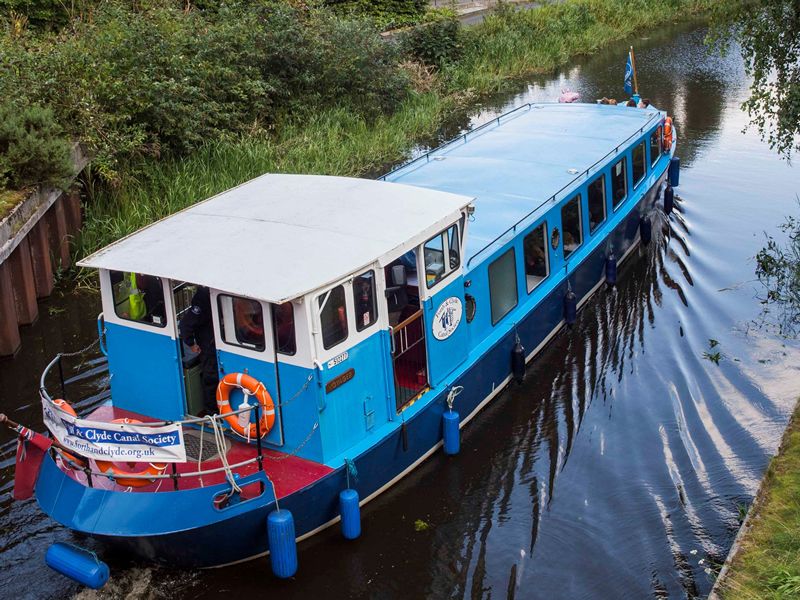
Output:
x=502 y=272
x=442 y=256
x=140 y=298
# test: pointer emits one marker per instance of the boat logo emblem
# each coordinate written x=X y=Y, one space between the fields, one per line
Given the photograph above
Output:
x=447 y=318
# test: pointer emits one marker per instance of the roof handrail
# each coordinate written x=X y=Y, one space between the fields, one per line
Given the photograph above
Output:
x=552 y=198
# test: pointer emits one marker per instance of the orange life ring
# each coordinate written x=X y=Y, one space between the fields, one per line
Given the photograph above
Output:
x=119 y=475
x=65 y=406
x=253 y=387
x=667 y=134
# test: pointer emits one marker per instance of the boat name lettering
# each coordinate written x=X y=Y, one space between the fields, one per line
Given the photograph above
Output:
x=339 y=380
x=447 y=318
x=337 y=360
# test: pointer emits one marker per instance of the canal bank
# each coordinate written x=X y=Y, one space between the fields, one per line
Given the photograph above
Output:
x=764 y=561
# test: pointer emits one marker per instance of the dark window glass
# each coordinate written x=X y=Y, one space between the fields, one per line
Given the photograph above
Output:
x=138 y=298
x=655 y=146
x=503 y=285
x=472 y=306
x=597 y=203
x=571 y=224
x=283 y=326
x=619 y=183
x=333 y=317
x=241 y=322
x=536 y=260
x=436 y=267
x=364 y=300
x=639 y=164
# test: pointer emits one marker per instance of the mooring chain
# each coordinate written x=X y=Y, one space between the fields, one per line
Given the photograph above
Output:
x=298 y=448
x=299 y=392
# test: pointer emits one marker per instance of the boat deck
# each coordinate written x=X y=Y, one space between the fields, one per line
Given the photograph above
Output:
x=289 y=473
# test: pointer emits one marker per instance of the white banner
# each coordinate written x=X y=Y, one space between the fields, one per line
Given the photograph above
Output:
x=116 y=442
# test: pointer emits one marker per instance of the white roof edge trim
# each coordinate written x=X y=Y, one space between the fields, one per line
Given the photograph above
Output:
x=314 y=228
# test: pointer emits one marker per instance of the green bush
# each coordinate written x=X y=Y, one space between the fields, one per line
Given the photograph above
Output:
x=162 y=81
x=435 y=43
x=33 y=149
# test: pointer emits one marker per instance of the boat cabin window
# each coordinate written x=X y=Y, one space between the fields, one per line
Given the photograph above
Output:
x=655 y=146
x=619 y=183
x=597 y=203
x=503 y=285
x=536 y=263
x=571 y=224
x=138 y=298
x=364 y=300
x=639 y=164
x=241 y=322
x=283 y=326
x=333 y=317
x=436 y=267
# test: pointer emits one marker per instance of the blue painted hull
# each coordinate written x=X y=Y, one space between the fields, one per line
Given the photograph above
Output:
x=184 y=529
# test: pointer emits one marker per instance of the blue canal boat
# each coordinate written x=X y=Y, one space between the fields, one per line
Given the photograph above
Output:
x=352 y=321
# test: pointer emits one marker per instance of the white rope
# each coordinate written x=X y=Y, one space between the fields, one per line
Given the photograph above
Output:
x=219 y=438
x=200 y=454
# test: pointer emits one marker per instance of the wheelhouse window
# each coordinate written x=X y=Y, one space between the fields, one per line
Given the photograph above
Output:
x=138 y=297
x=639 y=164
x=503 y=285
x=445 y=244
x=571 y=224
x=283 y=326
x=536 y=259
x=364 y=300
x=619 y=183
x=333 y=317
x=241 y=322
x=597 y=203
x=655 y=146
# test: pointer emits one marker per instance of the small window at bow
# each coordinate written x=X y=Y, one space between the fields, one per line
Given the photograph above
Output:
x=138 y=297
x=655 y=146
x=364 y=300
x=597 y=203
x=503 y=285
x=571 y=223
x=283 y=326
x=333 y=317
x=437 y=267
x=639 y=164
x=619 y=183
x=241 y=321
x=536 y=260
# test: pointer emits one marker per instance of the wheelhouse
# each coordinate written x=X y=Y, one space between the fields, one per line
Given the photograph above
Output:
x=318 y=289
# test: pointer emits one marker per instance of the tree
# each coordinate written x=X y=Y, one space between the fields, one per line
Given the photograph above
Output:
x=768 y=32
x=778 y=269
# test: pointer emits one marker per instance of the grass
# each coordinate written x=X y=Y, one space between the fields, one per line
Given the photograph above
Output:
x=767 y=565
x=9 y=200
x=507 y=47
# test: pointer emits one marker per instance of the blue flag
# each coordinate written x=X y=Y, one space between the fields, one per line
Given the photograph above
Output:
x=628 y=75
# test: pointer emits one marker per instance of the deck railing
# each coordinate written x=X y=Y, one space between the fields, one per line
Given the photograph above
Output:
x=408 y=359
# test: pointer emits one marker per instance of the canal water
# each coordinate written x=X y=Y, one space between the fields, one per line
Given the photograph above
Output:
x=618 y=470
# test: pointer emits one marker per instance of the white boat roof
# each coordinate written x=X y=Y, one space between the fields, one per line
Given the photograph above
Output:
x=278 y=237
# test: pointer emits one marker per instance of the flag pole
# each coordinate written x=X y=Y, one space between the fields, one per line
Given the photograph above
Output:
x=635 y=81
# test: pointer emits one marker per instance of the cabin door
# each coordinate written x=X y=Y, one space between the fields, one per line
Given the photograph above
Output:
x=406 y=329
x=443 y=302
